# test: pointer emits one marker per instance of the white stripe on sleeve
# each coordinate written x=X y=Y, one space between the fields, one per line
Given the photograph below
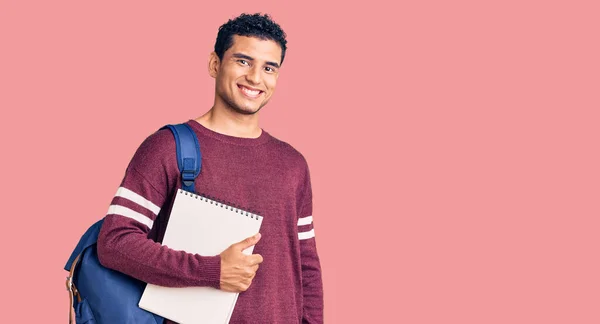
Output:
x=305 y=220
x=124 y=211
x=128 y=194
x=306 y=235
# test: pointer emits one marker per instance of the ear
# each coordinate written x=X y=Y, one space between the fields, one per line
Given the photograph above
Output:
x=213 y=64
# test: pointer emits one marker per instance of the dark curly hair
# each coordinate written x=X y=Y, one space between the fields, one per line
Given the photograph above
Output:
x=255 y=25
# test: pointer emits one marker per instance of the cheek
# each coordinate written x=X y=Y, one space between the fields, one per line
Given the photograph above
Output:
x=271 y=82
x=229 y=74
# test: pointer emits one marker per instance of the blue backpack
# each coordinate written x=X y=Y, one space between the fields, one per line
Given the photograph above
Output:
x=99 y=295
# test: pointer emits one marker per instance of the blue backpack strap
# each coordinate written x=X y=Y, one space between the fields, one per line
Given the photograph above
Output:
x=189 y=157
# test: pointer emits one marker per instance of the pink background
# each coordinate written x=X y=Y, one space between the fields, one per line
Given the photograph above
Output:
x=453 y=145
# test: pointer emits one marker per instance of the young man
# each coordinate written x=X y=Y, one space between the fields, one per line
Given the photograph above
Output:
x=241 y=164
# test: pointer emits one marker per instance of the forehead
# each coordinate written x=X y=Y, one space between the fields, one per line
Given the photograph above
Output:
x=259 y=49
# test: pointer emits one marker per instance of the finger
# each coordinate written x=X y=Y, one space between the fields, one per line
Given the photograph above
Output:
x=254 y=259
x=248 y=242
x=250 y=274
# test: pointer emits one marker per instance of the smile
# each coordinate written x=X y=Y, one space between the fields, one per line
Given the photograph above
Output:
x=250 y=93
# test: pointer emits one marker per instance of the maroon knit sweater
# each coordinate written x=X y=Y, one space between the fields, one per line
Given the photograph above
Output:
x=264 y=175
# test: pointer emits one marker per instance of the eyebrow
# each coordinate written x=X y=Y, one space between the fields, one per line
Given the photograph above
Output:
x=249 y=58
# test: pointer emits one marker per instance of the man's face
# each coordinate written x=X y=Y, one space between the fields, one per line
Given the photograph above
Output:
x=247 y=75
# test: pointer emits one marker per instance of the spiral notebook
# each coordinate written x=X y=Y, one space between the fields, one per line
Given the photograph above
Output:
x=201 y=225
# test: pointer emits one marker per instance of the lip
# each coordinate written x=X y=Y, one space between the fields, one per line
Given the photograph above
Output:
x=240 y=86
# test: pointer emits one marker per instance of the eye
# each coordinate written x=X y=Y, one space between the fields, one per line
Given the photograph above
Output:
x=244 y=62
x=269 y=69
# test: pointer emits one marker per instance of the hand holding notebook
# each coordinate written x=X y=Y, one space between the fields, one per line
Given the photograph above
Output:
x=238 y=269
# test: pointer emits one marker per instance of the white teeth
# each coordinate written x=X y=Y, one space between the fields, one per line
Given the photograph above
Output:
x=251 y=93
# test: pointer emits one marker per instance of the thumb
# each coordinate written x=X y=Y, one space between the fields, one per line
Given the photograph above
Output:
x=248 y=242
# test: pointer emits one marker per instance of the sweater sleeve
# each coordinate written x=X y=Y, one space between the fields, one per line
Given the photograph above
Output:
x=123 y=242
x=312 y=286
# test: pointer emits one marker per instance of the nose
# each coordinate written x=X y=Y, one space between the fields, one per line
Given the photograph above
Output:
x=253 y=75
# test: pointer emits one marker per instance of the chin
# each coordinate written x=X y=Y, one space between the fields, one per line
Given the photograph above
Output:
x=250 y=108
x=246 y=110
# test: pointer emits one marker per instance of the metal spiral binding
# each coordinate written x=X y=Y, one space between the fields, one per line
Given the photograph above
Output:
x=222 y=203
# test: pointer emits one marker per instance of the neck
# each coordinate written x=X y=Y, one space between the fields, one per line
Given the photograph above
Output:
x=230 y=123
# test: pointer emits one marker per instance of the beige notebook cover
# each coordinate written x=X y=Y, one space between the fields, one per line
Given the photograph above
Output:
x=206 y=227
